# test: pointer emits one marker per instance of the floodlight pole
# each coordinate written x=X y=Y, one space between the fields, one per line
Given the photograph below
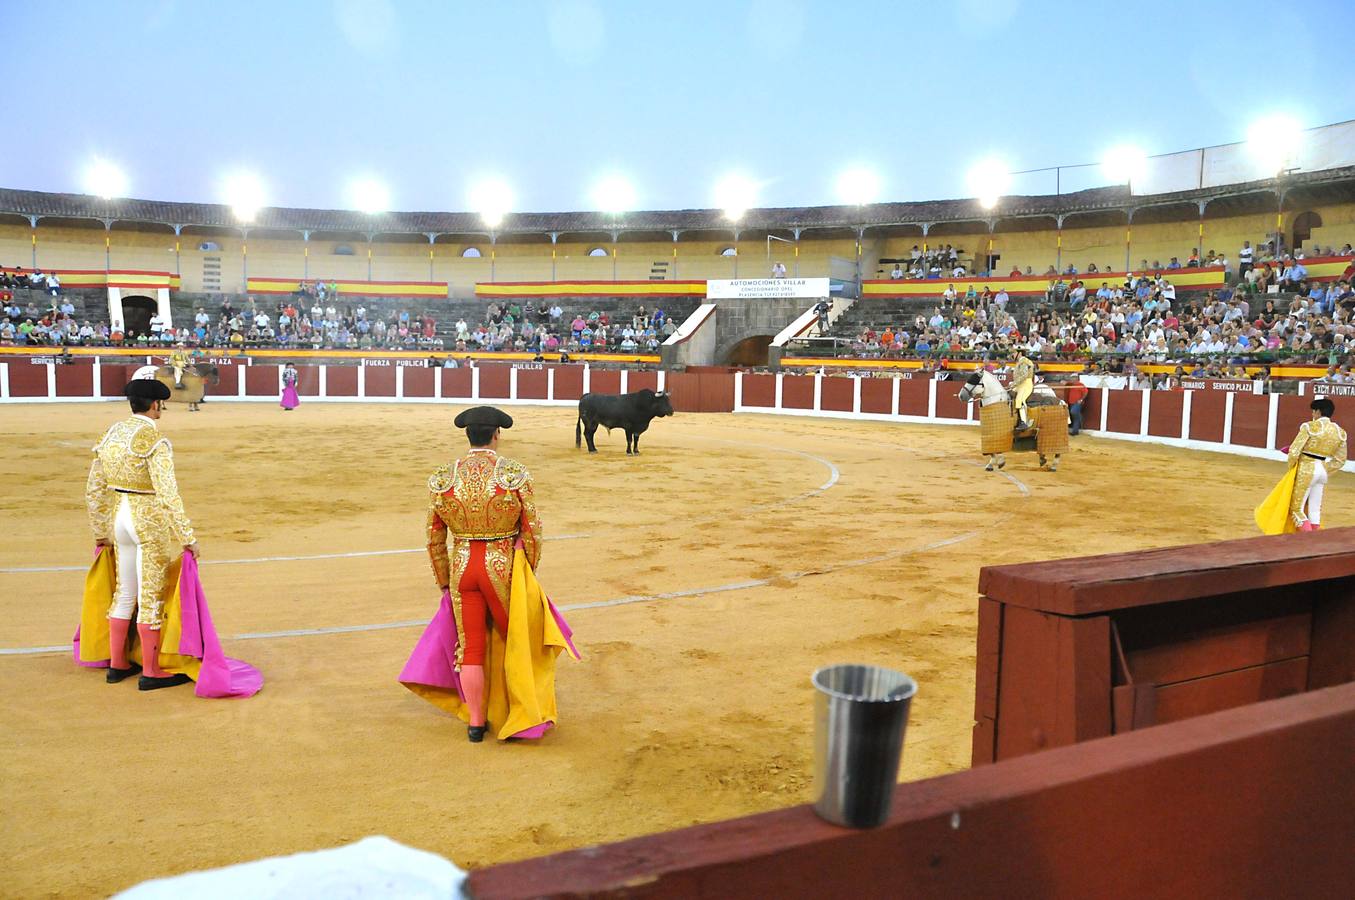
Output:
x=108 y=237
x=736 y=252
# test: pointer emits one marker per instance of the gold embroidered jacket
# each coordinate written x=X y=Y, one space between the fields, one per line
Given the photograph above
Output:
x=134 y=457
x=1024 y=370
x=480 y=497
x=1321 y=437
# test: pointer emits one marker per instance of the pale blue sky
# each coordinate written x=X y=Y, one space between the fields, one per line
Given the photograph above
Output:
x=428 y=96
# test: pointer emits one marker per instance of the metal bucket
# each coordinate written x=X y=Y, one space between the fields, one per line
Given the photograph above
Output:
x=860 y=715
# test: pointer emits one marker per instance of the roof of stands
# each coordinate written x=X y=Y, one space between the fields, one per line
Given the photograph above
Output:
x=1329 y=185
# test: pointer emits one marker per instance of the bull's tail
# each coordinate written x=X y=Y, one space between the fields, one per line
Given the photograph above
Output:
x=578 y=430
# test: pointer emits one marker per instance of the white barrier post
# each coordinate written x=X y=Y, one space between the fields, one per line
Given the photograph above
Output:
x=1272 y=420
x=399 y=382
x=550 y=383
x=856 y=395
x=625 y=381
x=1185 y=415
x=738 y=391
x=4 y=381
x=776 y=404
x=1228 y=418
x=475 y=383
x=1143 y=412
x=362 y=380
x=894 y=400
x=1105 y=406
x=931 y=398
x=51 y=381
x=324 y=382
x=513 y=383
x=818 y=391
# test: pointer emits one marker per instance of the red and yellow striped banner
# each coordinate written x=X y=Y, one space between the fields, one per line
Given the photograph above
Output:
x=118 y=278
x=1030 y=285
x=274 y=285
x=591 y=289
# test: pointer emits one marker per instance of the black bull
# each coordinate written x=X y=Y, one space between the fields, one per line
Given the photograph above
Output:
x=632 y=411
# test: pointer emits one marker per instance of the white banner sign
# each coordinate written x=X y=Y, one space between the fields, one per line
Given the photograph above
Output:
x=761 y=288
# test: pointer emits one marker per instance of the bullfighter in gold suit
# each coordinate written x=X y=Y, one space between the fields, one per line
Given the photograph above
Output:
x=1318 y=450
x=485 y=502
x=134 y=507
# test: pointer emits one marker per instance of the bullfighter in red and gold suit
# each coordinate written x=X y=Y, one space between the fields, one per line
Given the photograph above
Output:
x=484 y=502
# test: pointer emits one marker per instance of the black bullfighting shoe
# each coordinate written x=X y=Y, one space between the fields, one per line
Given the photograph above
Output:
x=113 y=675
x=476 y=733
x=147 y=683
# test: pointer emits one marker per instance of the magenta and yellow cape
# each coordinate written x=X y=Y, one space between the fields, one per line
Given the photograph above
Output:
x=188 y=639
x=519 y=666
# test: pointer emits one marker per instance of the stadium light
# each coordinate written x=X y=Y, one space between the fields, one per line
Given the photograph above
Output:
x=858 y=186
x=1274 y=142
x=988 y=181
x=614 y=194
x=244 y=193
x=106 y=180
x=492 y=198
x=735 y=194
x=369 y=196
x=1125 y=165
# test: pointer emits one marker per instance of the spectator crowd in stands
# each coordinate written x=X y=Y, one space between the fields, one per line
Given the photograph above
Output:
x=1272 y=311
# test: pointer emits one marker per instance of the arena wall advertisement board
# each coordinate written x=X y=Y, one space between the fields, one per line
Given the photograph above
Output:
x=762 y=288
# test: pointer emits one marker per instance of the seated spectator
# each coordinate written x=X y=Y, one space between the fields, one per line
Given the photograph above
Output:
x=897 y=272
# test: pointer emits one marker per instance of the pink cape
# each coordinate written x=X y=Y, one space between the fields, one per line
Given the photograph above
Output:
x=290 y=399
x=433 y=662
x=218 y=674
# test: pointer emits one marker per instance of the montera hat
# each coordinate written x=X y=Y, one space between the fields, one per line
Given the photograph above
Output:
x=143 y=386
x=484 y=415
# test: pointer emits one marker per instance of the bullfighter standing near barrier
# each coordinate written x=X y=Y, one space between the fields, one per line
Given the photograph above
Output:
x=1023 y=383
x=1318 y=450
x=491 y=649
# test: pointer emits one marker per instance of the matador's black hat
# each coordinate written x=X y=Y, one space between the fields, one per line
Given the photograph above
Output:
x=146 y=389
x=484 y=415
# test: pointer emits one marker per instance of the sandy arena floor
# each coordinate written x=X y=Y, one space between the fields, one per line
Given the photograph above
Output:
x=733 y=557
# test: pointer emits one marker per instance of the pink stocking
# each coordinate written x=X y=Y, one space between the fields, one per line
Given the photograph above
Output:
x=150 y=651
x=117 y=641
x=473 y=686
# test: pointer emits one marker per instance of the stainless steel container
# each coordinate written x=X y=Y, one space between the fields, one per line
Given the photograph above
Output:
x=860 y=716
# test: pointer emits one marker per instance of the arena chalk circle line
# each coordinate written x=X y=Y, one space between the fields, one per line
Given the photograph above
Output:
x=596 y=604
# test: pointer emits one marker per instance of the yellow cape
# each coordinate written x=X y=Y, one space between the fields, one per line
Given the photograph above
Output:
x=94 y=641
x=1273 y=514
x=519 y=666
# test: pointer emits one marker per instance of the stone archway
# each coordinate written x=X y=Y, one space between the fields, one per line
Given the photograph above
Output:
x=751 y=351
x=136 y=315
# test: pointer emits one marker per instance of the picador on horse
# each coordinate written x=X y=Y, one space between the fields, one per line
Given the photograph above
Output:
x=1028 y=417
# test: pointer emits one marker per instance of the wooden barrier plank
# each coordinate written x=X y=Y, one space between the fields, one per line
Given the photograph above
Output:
x=418 y=381
x=1206 y=415
x=913 y=396
x=604 y=381
x=1234 y=631
x=1095 y=584
x=307 y=380
x=378 y=381
x=568 y=382
x=456 y=383
x=1229 y=689
x=797 y=392
x=340 y=381
x=837 y=394
x=988 y=654
x=1164 y=414
x=532 y=384
x=1162 y=811
x=877 y=395
x=759 y=390
x=1331 y=654
x=493 y=381
x=1125 y=413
